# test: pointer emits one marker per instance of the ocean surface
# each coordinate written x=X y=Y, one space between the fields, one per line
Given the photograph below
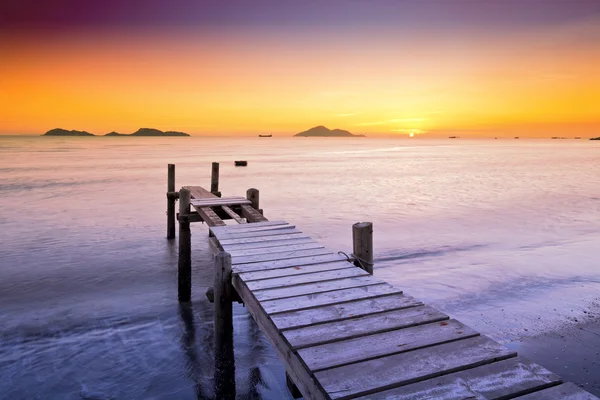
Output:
x=503 y=235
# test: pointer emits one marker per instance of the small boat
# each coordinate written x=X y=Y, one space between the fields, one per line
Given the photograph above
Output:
x=265 y=135
x=241 y=163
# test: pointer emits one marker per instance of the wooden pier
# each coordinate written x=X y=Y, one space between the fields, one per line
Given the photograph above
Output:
x=341 y=332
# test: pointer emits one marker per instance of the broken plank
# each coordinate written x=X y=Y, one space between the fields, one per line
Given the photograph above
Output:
x=388 y=372
x=295 y=271
x=338 y=312
x=251 y=214
x=294 y=280
x=267 y=244
x=198 y=192
x=209 y=216
x=566 y=391
x=279 y=256
x=382 y=344
x=255 y=225
x=314 y=288
x=275 y=232
x=362 y=326
x=499 y=380
x=219 y=201
x=327 y=298
x=292 y=262
x=247 y=228
x=233 y=215
x=274 y=250
x=260 y=239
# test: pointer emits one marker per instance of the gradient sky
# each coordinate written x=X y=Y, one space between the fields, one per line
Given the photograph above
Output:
x=380 y=67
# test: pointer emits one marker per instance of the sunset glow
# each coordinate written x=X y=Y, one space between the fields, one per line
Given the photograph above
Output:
x=382 y=75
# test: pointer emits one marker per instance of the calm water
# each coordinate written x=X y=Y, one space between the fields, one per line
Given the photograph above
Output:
x=503 y=235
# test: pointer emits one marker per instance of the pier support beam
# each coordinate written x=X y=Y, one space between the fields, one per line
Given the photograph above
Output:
x=223 y=325
x=214 y=180
x=184 y=270
x=171 y=202
x=294 y=391
x=362 y=239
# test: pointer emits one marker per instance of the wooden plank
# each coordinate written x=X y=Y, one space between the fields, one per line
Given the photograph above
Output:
x=327 y=298
x=261 y=239
x=213 y=245
x=566 y=391
x=292 y=262
x=294 y=271
x=300 y=375
x=362 y=326
x=499 y=380
x=267 y=244
x=280 y=256
x=224 y=231
x=383 y=344
x=274 y=250
x=219 y=201
x=209 y=216
x=338 y=312
x=274 y=232
x=396 y=370
x=294 y=280
x=198 y=192
x=233 y=215
x=240 y=228
x=314 y=288
x=251 y=214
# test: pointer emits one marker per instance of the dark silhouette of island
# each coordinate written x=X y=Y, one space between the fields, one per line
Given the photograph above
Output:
x=64 y=132
x=321 y=131
x=139 y=132
x=595 y=138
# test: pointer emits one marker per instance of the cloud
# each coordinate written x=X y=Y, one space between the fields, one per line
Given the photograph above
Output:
x=344 y=115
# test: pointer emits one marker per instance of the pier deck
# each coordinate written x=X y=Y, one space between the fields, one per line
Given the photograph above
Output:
x=344 y=334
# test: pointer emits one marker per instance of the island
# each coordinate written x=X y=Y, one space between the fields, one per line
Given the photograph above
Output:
x=595 y=138
x=139 y=132
x=321 y=131
x=64 y=132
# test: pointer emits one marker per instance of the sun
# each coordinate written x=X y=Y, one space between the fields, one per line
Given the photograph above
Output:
x=411 y=134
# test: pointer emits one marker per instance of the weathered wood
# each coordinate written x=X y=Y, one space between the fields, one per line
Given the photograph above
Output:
x=262 y=239
x=275 y=250
x=253 y=195
x=391 y=371
x=213 y=245
x=272 y=232
x=314 y=288
x=233 y=214
x=292 y=386
x=170 y=201
x=362 y=239
x=268 y=244
x=300 y=375
x=223 y=201
x=292 y=262
x=184 y=268
x=383 y=344
x=362 y=326
x=294 y=280
x=198 y=192
x=256 y=224
x=339 y=312
x=251 y=214
x=295 y=271
x=223 y=328
x=209 y=216
x=327 y=298
x=566 y=391
x=280 y=256
x=255 y=227
x=500 y=380
x=214 y=179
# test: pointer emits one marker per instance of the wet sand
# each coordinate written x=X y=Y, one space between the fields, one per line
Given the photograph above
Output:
x=573 y=353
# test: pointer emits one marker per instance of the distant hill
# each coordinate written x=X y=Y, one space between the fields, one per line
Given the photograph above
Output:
x=595 y=138
x=64 y=132
x=321 y=131
x=156 y=132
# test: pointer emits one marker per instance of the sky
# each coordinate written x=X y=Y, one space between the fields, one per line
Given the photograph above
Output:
x=472 y=68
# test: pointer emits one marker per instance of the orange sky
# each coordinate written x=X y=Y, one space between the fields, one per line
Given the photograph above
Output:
x=542 y=81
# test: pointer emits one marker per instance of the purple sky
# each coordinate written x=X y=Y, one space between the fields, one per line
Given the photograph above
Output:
x=67 y=15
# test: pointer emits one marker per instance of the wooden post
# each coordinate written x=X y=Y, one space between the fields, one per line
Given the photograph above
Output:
x=362 y=238
x=171 y=202
x=214 y=180
x=184 y=270
x=223 y=325
x=252 y=195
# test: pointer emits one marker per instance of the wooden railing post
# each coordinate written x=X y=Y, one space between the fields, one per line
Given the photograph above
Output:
x=184 y=270
x=223 y=326
x=362 y=239
x=171 y=202
x=214 y=180
x=253 y=195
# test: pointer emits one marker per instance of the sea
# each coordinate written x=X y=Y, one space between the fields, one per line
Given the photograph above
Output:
x=503 y=235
